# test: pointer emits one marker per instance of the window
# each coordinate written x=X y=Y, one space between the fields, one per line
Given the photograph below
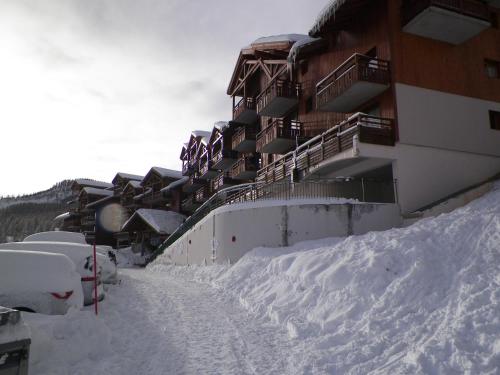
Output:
x=495 y=120
x=492 y=68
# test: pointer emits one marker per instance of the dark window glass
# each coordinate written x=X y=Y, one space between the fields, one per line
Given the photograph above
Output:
x=495 y=120
x=492 y=68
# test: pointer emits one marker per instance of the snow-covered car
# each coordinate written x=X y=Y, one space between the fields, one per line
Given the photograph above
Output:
x=57 y=236
x=106 y=264
x=80 y=255
x=72 y=237
x=39 y=282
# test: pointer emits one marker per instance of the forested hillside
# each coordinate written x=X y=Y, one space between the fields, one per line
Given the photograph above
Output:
x=28 y=214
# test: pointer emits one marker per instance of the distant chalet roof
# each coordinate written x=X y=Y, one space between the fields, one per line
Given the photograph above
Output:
x=164 y=172
x=134 y=184
x=128 y=176
x=93 y=183
x=94 y=191
x=162 y=222
x=200 y=133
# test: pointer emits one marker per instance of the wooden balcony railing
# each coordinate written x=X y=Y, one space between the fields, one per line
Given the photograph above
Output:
x=222 y=180
x=202 y=194
x=242 y=134
x=470 y=8
x=245 y=104
x=278 y=129
x=369 y=129
x=244 y=168
x=278 y=89
x=358 y=68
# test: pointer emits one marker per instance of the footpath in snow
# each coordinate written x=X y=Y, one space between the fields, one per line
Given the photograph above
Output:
x=418 y=300
x=155 y=324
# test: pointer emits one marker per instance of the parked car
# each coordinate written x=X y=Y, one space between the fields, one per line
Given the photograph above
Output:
x=75 y=251
x=39 y=282
x=80 y=255
x=57 y=236
x=72 y=237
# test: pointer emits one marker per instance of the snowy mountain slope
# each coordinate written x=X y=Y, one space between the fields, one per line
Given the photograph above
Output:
x=56 y=194
x=419 y=300
x=28 y=214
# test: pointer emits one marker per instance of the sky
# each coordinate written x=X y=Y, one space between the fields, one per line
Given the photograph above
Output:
x=89 y=88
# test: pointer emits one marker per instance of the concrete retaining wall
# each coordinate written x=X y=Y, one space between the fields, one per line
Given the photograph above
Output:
x=229 y=232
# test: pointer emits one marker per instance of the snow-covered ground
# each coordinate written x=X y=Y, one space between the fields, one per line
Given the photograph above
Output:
x=418 y=300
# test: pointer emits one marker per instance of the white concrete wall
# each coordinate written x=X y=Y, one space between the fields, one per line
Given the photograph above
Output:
x=425 y=175
x=442 y=120
x=226 y=235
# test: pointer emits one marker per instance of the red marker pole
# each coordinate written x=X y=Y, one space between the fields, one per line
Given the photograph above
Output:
x=95 y=279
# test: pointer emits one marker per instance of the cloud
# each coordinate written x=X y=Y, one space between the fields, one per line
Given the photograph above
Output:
x=96 y=86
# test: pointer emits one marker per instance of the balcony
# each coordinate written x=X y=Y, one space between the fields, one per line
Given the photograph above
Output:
x=352 y=84
x=451 y=21
x=206 y=170
x=279 y=137
x=193 y=184
x=202 y=194
x=244 y=112
x=278 y=99
x=223 y=159
x=340 y=138
x=187 y=168
x=190 y=204
x=244 y=169
x=223 y=181
x=244 y=139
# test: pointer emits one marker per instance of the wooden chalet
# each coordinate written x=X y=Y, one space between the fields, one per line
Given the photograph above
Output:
x=89 y=195
x=155 y=180
x=148 y=228
x=121 y=180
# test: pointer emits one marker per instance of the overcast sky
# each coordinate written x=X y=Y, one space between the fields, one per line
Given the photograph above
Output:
x=92 y=87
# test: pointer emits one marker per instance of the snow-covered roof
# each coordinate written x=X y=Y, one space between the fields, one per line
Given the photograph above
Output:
x=222 y=126
x=200 y=133
x=128 y=176
x=162 y=222
x=63 y=216
x=164 y=172
x=94 y=191
x=93 y=183
x=175 y=184
x=302 y=45
x=282 y=38
x=134 y=184
x=325 y=15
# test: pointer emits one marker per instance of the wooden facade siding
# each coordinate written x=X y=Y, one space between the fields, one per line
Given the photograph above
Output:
x=436 y=65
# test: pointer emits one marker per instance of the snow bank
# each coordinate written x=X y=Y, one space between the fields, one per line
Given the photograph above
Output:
x=62 y=343
x=422 y=299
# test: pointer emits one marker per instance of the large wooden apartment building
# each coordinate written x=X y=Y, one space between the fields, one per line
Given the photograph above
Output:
x=406 y=90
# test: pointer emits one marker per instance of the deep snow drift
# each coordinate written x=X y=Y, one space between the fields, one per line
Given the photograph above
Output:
x=422 y=299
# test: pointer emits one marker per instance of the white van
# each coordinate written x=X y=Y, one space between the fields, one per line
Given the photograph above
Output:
x=82 y=257
x=39 y=282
